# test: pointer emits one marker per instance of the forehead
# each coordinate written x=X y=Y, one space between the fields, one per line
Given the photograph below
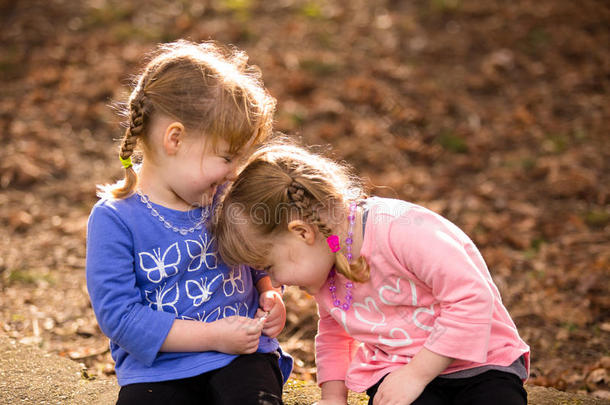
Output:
x=271 y=249
x=219 y=146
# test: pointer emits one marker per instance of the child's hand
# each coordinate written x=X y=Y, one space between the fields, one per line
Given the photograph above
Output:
x=271 y=302
x=398 y=388
x=238 y=335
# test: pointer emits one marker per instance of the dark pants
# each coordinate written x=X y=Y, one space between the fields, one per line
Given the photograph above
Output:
x=249 y=379
x=492 y=387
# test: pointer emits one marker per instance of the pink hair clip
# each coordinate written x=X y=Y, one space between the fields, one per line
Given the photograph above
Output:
x=333 y=243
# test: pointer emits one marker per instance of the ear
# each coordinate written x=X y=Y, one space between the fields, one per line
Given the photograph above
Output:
x=173 y=137
x=302 y=230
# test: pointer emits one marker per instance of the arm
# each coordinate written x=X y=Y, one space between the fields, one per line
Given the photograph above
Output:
x=405 y=385
x=446 y=260
x=333 y=393
x=270 y=300
x=115 y=298
x=233 y=335
x=334 y=349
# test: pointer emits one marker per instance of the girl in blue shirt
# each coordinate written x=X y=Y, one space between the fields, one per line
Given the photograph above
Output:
x=183 y=326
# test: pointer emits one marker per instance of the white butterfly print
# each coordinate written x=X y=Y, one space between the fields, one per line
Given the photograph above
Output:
x=215 y=314
x=239 y=308
x=200 y=291
x=200 y=253
x=201 y=317
x=190 y=318
x=160 y=298
x=233 y=283
x=158 y=267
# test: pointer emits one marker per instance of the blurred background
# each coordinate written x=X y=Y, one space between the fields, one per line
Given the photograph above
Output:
x=492 y=113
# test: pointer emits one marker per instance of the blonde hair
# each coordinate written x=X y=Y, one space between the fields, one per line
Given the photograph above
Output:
x=279 y=183
x=210 y=89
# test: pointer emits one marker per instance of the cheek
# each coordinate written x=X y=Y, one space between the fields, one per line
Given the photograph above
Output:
x=274 y=282
x=282 y=277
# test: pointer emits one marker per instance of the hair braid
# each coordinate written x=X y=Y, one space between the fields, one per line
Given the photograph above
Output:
x=136 y=125
x=138 y=113
x=297 y=194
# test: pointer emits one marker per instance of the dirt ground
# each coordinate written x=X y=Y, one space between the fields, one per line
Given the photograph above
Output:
x=32 y=376
x=492 y=113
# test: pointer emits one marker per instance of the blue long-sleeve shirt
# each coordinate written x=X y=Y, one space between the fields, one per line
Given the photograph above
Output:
x=141 y=276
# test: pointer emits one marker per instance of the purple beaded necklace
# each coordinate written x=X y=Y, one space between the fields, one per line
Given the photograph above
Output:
x=348 y=253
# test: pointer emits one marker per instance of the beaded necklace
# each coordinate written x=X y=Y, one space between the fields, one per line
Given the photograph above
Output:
x=348 y=254
x=205 y=213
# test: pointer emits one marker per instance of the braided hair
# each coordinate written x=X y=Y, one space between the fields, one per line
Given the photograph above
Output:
x=277 y=176
x=301 y=199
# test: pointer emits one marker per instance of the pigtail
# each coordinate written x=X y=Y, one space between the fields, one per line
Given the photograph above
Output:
x=358 y=270
x=138 y=113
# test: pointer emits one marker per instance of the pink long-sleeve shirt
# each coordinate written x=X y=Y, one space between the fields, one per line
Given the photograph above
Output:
x=429 y=287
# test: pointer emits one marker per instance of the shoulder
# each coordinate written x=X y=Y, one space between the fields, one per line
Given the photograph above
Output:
x=118 y=206
x=409 y=221
x=384 y=213
x=113 y=210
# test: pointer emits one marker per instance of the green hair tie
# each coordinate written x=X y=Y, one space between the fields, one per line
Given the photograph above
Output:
x=126 y=162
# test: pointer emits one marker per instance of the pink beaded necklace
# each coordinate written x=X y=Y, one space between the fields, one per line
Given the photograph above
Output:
x=348 y=254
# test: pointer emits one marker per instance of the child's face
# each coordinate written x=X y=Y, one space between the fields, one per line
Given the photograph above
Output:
x=199 y=170
x=294 y=260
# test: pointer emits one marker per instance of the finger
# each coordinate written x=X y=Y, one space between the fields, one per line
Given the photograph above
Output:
x=252 y=347
x=271 y=326
x=255 y=329
x=272 y=333
x=259 y=313
x=268 y=302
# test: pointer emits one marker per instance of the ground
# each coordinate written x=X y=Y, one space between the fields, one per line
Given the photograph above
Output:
x=492 y=113
x=32 y=376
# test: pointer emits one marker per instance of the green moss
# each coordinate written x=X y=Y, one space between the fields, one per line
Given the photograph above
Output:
x=28 y=277
x=445 y=6
x=312 y=9
x=597 y=218
x=318 y=67
x=528 y=163
x=452 y=142
x=109 y=14
x=126 y=30
x=241 y=9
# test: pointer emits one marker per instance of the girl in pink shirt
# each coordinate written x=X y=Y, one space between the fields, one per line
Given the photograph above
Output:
x=408 y=309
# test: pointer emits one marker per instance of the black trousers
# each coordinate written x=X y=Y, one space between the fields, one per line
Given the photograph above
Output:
x=249 y=379
x=491 y=387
